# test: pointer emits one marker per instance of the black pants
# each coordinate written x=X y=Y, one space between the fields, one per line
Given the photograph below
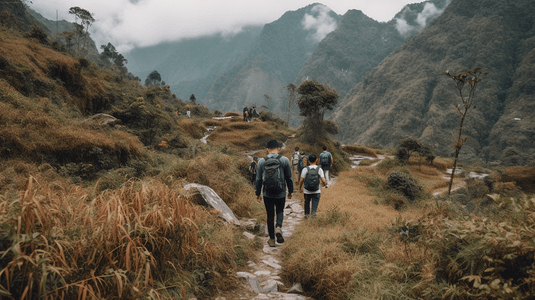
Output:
x=274 y=205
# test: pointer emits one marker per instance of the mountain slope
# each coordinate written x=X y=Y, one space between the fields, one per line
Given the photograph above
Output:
x=405 y=96
x=273 y=62
x=360 y=43
x=190 y=66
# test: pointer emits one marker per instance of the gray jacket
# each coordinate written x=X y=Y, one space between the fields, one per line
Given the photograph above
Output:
x=285 y=165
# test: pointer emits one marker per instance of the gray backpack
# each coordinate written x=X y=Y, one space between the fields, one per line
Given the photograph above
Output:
x=312 y=179
x=273 y=176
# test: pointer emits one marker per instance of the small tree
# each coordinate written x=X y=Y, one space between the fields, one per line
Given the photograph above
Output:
x=109 y=54
x=154 y=78
x=464 y=79
x=315 y=99
x=192 y=99
x=86 y=20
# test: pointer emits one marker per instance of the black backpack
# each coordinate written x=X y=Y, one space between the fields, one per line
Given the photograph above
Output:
x=273 y=176
x=312 y=179
x=325 y=159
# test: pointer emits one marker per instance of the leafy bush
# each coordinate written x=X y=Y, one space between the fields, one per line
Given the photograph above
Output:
x=405 y=184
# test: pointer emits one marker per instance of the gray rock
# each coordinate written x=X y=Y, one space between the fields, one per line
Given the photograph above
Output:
x=249 y=235
x=296 y=289
x=102 y=120
x=212 y=199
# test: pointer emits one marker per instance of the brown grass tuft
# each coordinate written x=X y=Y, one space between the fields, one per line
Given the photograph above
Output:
x=352 y=149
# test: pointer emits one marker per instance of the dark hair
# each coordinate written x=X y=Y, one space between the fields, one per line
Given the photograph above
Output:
x=296 y=148
x=324 y=147
x=272 y=144
x=312 y=158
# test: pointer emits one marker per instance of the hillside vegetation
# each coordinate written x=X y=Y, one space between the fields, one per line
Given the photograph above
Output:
x=405 y=95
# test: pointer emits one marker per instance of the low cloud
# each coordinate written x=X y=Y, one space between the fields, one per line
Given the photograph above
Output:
x=320 y=22
x=429 y=13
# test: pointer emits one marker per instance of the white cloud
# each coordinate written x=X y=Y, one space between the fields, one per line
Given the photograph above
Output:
x=430 y=11
x=320 y=22
x=139 y=23
x=403 y=27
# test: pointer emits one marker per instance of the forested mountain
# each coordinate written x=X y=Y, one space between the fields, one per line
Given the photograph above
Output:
x=405 y=95
x=360 y=43
x=273 y=62
x=191 y=66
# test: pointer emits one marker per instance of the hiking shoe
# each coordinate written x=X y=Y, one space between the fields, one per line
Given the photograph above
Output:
x=278 y=234
x=271 y=242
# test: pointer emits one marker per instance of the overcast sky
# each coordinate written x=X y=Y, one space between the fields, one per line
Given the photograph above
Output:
x=138 y=23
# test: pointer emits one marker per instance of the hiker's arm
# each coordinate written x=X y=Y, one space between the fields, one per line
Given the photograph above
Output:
x=289 y=179
x=301 y=181
x=258 y=182
x=330 y=165
x=324 y=181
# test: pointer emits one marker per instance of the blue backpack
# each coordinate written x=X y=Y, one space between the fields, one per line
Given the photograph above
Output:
x=312 y=179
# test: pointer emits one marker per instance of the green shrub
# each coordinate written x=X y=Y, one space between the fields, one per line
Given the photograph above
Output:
x=405 y=183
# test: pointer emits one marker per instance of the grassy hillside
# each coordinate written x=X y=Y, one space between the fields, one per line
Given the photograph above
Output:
x=96 y=209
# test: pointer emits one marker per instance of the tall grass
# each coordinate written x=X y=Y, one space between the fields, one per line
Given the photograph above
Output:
x=67 y=242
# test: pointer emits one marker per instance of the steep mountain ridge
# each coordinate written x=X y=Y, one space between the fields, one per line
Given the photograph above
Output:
x=404 y=95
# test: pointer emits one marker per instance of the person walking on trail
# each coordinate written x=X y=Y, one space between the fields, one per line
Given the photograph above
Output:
x=273 y=176
x=310 y=179
x=295 y=161
x=252 y=169
x=326 y=161
x=302 y=163
x=245 y=113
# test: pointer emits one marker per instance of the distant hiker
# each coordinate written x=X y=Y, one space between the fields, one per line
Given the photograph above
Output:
x=188 y=112
x=295 y=160
x=245 y=113
x=254 y=114
x=252 y=169
x=273 y=176
x=311 y=177
x=249 y=114
x=326 y=161
x=303 y=162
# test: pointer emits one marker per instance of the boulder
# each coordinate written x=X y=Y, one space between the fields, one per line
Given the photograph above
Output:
x=210 y=198
x=102 y=120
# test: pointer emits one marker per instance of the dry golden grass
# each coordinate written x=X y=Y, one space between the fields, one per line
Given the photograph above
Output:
x=232 y=114
x=524 y=177
x=247 y=136
x=352 y=149
x=192 y=128
x=121 y=243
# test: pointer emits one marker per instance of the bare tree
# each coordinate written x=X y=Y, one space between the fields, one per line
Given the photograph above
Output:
x=292 y=101
x=469 y=79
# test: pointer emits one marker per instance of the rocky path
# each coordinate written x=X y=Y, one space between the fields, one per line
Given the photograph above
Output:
x=261 y=279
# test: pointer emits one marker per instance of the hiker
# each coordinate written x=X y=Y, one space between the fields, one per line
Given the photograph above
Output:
x=273 y=176
x=310 y=179
x=303 y=162
x=188 y=112
x=326 y=161
x=252 y=169
x=295 y=161
x=254 y=114
x=245 y=113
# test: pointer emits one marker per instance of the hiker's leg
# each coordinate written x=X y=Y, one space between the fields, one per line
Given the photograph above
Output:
x=270 y=210
x=315 y=201
x=326 y=176
x=279 y=206
x=307 y=204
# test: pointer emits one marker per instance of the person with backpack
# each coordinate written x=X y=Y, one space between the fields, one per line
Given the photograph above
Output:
x=273 y=176
x=326 y=161
x=252 y=169
x=295 y=160
x=302 y=163
x=311 y=177
x=245 y=113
